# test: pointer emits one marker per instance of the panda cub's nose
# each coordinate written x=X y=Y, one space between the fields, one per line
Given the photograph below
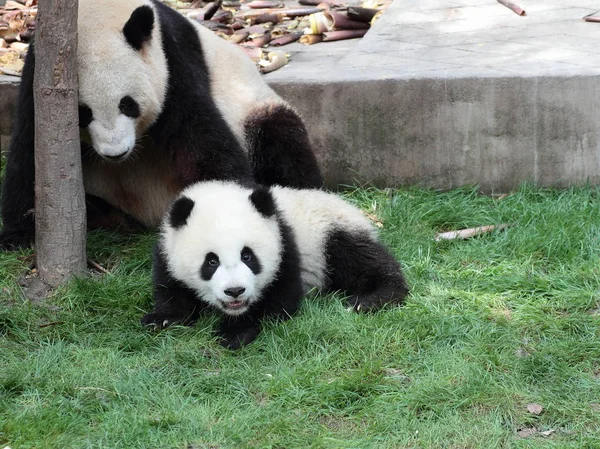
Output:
x=235 y=291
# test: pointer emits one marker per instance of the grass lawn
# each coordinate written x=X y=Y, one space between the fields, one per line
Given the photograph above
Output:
x=493 y=324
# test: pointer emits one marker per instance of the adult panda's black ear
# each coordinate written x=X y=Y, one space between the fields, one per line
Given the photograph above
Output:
x=180 y=212
x=138 y=28
x=263 y=201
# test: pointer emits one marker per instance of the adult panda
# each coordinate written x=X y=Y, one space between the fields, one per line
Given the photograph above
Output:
x=254 y=253
x=164 y=102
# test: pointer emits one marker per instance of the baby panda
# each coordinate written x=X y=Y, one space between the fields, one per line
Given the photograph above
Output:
x=254 y=253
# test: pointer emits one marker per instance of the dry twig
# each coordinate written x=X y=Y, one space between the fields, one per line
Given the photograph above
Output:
x=468 y=233
x=513 y=7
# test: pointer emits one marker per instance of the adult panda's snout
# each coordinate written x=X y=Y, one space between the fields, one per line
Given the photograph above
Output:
x=113 y=142
x=117 y=158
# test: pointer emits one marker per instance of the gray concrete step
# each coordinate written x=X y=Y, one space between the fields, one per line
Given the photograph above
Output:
x=450 y=92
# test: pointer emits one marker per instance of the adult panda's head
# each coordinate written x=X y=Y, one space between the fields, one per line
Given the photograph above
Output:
x=224 y=242
x=122 y=73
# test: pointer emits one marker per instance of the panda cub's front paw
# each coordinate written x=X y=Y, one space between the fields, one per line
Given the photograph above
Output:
x=162 y=320
x=236 y=338
x=156 y=321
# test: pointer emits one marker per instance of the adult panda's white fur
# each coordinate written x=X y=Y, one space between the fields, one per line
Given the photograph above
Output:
x=237 y=87
x=164 y=103
x=298 y=240
x=108 y=70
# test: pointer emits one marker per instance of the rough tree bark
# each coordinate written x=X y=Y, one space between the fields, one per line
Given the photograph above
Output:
x=60 y=221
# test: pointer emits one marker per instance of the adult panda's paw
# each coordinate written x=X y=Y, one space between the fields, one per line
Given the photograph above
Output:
x=235 y=338
x=15 y=239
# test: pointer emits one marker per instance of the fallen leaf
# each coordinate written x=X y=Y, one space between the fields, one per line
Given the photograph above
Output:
x=527 y=432
x=536 y=409
x=374 y=219
x=397 y=374
x=502 y=312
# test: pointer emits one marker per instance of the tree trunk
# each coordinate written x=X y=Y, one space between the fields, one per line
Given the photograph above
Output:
x=60 y=221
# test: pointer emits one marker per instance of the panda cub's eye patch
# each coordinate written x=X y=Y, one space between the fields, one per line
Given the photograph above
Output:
x=250 y=259
x=129 y=107
x=209 y=266
x=85 y=116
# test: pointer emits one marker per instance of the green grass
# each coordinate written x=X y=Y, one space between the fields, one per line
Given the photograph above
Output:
x=493 y=324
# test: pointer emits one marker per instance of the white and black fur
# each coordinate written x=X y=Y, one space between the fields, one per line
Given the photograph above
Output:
x=164 y=103
x=255 y=253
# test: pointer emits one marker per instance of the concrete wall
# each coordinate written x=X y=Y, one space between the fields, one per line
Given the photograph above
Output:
x=442 y=133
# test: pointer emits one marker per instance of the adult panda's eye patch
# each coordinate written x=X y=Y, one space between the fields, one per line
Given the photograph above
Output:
x=85 y=116
x=129 y=107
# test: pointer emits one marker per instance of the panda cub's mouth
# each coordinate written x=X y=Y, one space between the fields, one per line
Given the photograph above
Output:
x=235 y=305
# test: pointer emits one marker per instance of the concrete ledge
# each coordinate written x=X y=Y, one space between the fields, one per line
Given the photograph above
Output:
x=497 y=132
x=442 y=133
x=447 y=93
x=431 y=97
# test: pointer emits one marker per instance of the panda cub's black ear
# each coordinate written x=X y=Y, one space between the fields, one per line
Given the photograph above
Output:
x=138 y=28
x=180 y=212
x=263 y=201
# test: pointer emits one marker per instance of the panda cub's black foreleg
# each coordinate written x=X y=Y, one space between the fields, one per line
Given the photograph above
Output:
x=235 y=332
x=364 y=269
x=280 y=300
x=281 y=303
x=173 y=302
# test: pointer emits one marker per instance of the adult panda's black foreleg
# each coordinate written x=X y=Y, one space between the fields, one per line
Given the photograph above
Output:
x=364 y=269
x=18 y=187
x=202 y=145
x=102 y=215
x=280 y=149
x=173 y=302
x=190 y=127
x=210 y=154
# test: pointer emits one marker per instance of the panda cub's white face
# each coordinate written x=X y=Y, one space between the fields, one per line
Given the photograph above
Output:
x=218 y=244
x=122 y=73
x=228 y=281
